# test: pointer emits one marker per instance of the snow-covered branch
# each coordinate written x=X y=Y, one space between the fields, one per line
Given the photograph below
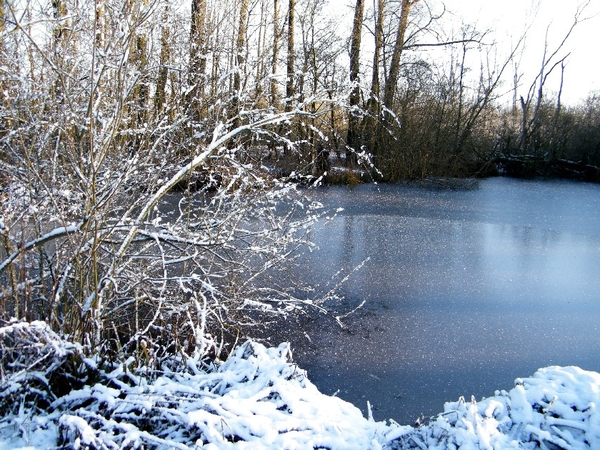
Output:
x=57 y=233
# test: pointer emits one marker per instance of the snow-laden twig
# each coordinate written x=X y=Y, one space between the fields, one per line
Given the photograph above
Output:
x=50 y=236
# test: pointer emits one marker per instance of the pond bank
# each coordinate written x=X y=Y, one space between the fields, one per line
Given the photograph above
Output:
x=259 y=399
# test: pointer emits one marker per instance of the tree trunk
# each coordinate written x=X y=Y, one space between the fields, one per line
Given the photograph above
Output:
x=524 y=138
x=554 y=143
x=372 y=125
x=394 y=72
x=289 y=86
x=100 y=20
x=163 y=71
x=457 y=141
x=240 y=60
x=4 y=60
x=197 y=67
x=260 y=58
x=2 y=24
x=375 y=87
x=276 y=35
x=353 y=137
x=59 y=47
x=141 y=91
x=60 y=12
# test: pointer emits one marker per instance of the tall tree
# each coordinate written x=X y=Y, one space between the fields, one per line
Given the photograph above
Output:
x=138 y=59
x=531 y=120
x=197 y=65
x=3 y=56
x=353 y=137
x=374 y=102
x=60 y=44
x=240 y=59
x=394 y=71
x=2 y=28
x=141 y=90
x=163 y=70
x=276 y=36
x=260 y=54
x=375 y=86
x=290 y=80
x=59 y=8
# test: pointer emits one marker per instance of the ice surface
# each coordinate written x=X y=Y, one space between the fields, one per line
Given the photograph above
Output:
x=465 y=291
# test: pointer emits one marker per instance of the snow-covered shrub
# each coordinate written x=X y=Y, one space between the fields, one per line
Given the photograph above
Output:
x=118 y=258
x=37 y=367
x=93 y=239
x=257 y=399
x=556 y=408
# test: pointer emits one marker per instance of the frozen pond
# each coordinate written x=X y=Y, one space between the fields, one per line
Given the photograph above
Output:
x=466 y=290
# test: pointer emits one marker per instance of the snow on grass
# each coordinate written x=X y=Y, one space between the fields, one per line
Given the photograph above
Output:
x=259 y=399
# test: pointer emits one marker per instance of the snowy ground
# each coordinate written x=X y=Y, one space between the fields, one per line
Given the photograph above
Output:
x=259 y=399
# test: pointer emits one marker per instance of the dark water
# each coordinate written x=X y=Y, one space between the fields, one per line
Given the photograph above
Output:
x=466 y=291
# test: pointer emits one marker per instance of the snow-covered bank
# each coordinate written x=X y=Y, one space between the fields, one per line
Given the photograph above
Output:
x=259 y=399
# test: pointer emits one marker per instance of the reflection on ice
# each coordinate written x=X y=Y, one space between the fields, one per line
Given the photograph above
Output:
x=465 y=290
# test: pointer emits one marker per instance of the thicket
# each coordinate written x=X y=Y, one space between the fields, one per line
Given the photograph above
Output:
x=562 y=142
x=147 y=150
x=137 y=217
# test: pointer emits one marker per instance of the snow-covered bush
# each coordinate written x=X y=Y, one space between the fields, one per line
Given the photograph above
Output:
x=36 y=367
x=556 y=408
x=136 y=212
x=140 y=273
x=257 y=399
x=138 y=238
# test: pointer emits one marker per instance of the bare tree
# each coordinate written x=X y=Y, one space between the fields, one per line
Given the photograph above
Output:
x=198 y=50
x=378 y=42
x=240 y=57
x=139 y=59
x=2 y=30
x=290 y=74
x=372 y=124
x=531 y=104
x=353 y=139
x=160 y=98
x=394 y=69
x=276 y=36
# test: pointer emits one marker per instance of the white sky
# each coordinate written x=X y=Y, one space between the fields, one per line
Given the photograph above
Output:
x=510 y=17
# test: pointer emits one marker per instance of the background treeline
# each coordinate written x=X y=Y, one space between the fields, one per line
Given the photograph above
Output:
x=373 y=88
